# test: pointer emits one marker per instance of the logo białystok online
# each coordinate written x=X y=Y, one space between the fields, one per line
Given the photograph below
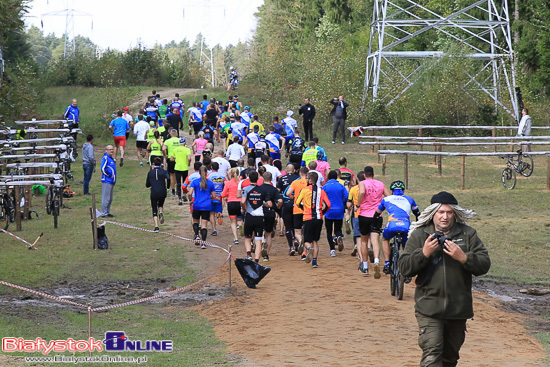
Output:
x=115 y=341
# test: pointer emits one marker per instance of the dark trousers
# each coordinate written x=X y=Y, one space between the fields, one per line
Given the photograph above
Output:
x=156 y=203
x=88 y=170
x=288 y=220
x=339 y=124
x=180 y=177
x=440 y=340
x=308 y=130
x=337 y=223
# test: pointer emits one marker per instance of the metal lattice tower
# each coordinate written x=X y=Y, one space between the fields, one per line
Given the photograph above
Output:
x=482 y=29
x=69 y=47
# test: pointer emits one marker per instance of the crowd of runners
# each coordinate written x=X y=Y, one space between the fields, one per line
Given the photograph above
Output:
x=264 y=177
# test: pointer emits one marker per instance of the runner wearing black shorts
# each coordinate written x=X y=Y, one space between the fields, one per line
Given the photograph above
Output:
x=254 y=199
x=283 y=184
x=156 y=180
x=276 y=199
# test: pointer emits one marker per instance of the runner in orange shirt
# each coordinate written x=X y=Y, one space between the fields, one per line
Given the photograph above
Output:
x=293 y=192
x=315 y=203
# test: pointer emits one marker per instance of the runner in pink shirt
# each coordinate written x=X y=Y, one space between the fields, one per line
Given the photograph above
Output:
x=371 y=193
x=199 y=144
x=323 y=168
x=229 y=196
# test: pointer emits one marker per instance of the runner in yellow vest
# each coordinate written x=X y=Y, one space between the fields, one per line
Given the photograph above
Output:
x=155 y=148
x=167 y=149
x=309 y=154
x=182 y=156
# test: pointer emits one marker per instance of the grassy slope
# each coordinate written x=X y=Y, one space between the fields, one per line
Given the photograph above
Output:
x=66 y=255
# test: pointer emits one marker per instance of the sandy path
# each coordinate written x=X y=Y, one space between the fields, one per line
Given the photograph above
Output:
x=333 y=316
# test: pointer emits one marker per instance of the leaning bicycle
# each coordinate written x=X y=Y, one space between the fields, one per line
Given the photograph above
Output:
x=54 y=201
x=521 y=163
x=7 y=208
x=397 y=280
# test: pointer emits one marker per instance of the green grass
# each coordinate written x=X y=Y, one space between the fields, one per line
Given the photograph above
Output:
x=514 y=225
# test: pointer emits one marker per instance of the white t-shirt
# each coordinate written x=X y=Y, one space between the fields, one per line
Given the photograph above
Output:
x=127 y=117
x=275 y=173
x=140 y=130
x=235 y=152
x=320 y=178
x=224 y=165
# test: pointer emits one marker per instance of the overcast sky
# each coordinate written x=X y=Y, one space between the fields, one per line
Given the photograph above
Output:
x=121 y=24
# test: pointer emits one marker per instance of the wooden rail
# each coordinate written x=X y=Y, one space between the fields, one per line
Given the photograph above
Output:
x=463 y=156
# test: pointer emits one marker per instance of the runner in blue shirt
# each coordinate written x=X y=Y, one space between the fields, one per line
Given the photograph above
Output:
x=399 y=207
x=119 y=127
x=338 y=196
x=218 y=180
x=275 y=141
x=204 y=192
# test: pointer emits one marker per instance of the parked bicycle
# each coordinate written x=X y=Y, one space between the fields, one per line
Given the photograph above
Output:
x=54 y=200
x=397 y=280
x=7 y=208
x=521 y=163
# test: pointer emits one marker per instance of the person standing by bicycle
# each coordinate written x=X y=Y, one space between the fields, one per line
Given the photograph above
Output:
x=444 y=253
x=108 y=181
x=399 y=207
x=524 y=128
x=72 y=112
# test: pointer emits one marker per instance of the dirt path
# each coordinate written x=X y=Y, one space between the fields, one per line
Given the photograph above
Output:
x=333 y=316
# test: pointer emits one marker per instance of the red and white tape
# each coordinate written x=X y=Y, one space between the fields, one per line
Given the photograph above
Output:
x=42 y=294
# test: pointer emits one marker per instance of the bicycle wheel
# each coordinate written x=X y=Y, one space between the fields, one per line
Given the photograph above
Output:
x=400 y=285
x=508 y=178
x=55 y=211
x=526 y=166
x=49 y=201
x=392 y=272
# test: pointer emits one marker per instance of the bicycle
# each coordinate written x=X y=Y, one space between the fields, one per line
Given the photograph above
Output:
x=397 y=280
x=7 y=208
x=54 y=200
x=521 y=163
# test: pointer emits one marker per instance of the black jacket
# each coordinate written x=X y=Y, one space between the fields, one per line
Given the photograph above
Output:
x=335 y=103
x=308 y=110
x=156 y=180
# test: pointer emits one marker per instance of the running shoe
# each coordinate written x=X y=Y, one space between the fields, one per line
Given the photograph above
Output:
x=197 y=240
x=220 y=218
x=281 y=233
x=141 y=164
x=332 y=253
x=303 y=257
x=371 y=255
x=314 y=265
x=309 y=255
x=173 y=192
x=376 y=271
x=214 y=233
x=407 y=280
x=249 y=257
x=161 y=217
x=340 y=242
x=236 y=241
x=354 y=252
x=264 y=249
x=386 y=269
x=121 y=161
x=292 y=251
x=300 y=247
x=362 y=269
x=348 y=226
x=266 y=258
x=203 y=246
x=156 y=230
x=180 y=202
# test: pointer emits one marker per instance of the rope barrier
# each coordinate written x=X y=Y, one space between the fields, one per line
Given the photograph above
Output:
x=29 y=245
x=129 y=303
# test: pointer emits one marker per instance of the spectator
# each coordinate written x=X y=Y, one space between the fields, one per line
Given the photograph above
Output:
x=88 y=162
x=108 y=181
x=340 y=114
